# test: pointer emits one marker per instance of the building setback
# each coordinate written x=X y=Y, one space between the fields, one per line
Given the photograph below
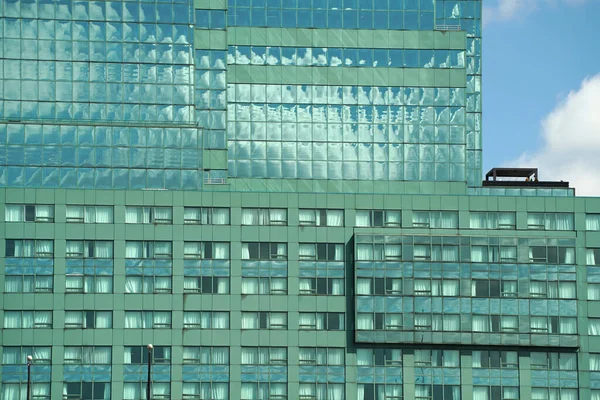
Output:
x=284 y=198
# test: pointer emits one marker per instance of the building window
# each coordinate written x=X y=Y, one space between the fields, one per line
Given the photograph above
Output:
x=437 y=358
x=206 y=284
x=594 y=361
x=148 y=215
x=322 y=286
x=592 y=256
x=437 y=322
x=495 y=323
x=592 y=222
x=328 y=356
x=435 y=252
x=321 y=391
x=147 y=320
x=321 y=217
x=88 y=319
x=495 y=359
x=321 y=321
x=495 y=393
x=594 y=326
x=83 y=283
x=149 y=283
x=379 y=286
x=321 y=252
x=14 y=360
x=379 y=321
x=435 y=219
x=206 y=215
x=378 y=218
x=389 y=251
x=550 y=221
x=264 y=216
x=373 y=391
x=89 y=249
x=29 y=213
x=206 y=320
x=139 y=355
x=137 y=390
x=593 y=291
x=492 y=220
x=264 y=251
x=554 y=325
x=264 y=320
x=552 y=289
x=554 y=361
x=263 y=390
x=86 y=390
x=551 y=255
x=27 y=319
x=90 y=214
x=29 y=248
x=437 y=287
x=206 y=390
x=264 y=285
x=379 y=357
x=206 y=355
x=493 y=288
x=264 y=356
x=148 y=250
x=28 y=283
x=206 y=250
x=553 y=393
x=90 y=355
x=493 y=253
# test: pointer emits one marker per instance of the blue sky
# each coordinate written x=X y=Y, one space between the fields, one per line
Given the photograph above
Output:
x=537 y=55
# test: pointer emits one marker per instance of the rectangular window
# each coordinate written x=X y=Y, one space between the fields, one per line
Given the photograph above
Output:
x=88 y=355
x=379 y=286
x=148 y=215
x=263 y=390
x=86 y=283
x=553 y=361
x=593 y=292
x=148 y=250
x=264 y=251
x=40 y=391
x=149 y=283
x=29 y=213
x=321 y=356
x=206 y=390
x=206 y=250
x=27 y=319
x=553 y=325
x=495 y=359
x=321 y=252
x=321 y=391
x=437 y=322
x=592 y=256
x=437 y=287
x=435 y=219
x=435 y=252
x=553 y=393
x=321 y=321
x=550 y=221
x=17 y=355
x=89 y=249
x=264 y=356
x=594 y=326
x=137 y=390
x=206 y=215
x=437 y=392
x=29 y=248
x=552 y=255
x=378 y=218
x=493 y=253
x=492 y=220
x=391 y=250
x=594 y=361
x=552 y=289
x=321 y=217
x=379 y=357
x=322 y=286
x=206 y=284
x=379 y=321
x=264 y=320
x=28 y=283
x=206 y=355
x=139 y=355
x=493 y=288
x=88 y=319
x=90 y=214
x=495 y=323
x=496 y=392
x=86 y=390
x=147 y=320
x=437 y=358
x=264 y=285
x=206 y=320
x=592 y=222
x=264 y=216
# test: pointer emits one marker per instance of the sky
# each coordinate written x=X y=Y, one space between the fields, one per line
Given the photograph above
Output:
x=541 y=89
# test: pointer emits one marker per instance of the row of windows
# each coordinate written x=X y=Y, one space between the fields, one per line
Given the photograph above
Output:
x=278 y=216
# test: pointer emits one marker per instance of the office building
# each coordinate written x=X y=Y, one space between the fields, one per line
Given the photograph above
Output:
x=283 y=197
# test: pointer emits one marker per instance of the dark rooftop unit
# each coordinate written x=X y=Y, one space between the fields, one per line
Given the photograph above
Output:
x=518 y=177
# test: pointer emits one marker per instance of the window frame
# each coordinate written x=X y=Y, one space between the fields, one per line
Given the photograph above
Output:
x=85 y=210
x=323 y=216
x=151 y=210
x=209 y=215
x=26 y=210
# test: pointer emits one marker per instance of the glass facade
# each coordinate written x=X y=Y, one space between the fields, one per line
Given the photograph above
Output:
x=284 y=198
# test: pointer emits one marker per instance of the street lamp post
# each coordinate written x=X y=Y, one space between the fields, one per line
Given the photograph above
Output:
x=29 y=360
x=148 y=390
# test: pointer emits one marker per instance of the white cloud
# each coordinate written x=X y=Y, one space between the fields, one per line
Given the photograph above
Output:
x=503 y=10
x=570 y=136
